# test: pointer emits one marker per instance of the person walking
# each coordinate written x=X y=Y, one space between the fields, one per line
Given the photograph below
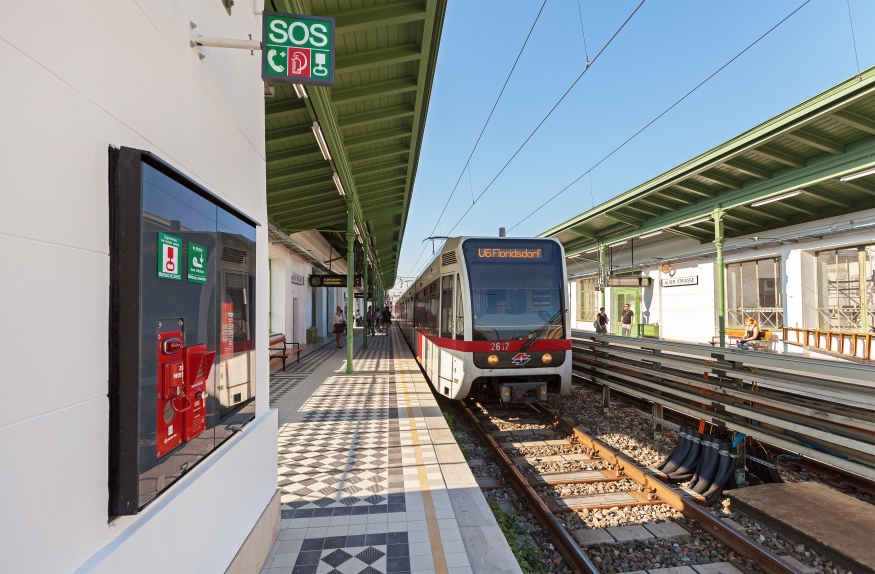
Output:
x=339 y=326
x=601 y=322
x=358 y=318
x=626 y=320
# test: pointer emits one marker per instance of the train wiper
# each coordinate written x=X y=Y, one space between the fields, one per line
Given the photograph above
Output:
x=543 y=328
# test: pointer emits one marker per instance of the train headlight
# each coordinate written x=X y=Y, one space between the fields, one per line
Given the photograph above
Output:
x=546 y=358
x=492 y=360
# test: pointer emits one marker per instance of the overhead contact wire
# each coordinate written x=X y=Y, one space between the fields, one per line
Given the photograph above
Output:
x=468 y=161
x=556 y=105
x=654 y=120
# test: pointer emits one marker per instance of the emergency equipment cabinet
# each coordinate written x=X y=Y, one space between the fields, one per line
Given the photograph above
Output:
x=182 y=312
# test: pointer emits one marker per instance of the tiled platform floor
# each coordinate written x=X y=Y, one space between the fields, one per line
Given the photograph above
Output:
x=362 y=488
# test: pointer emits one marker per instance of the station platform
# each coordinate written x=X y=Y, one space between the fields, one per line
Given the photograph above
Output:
x=371 y=478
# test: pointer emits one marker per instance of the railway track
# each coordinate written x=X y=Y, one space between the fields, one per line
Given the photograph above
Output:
x=622 y=482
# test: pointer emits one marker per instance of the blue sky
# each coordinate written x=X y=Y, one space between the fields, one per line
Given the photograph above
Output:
x=667 y=48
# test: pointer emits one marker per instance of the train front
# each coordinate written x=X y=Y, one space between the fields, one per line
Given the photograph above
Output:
x=519 y=318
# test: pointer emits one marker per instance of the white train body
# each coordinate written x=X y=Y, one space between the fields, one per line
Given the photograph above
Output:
x=488 y=315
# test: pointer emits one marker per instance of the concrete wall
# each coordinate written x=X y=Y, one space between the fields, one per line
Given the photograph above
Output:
x=79 y=77
x=688 y=313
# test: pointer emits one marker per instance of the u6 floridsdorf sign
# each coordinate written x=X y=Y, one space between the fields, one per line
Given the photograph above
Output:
x=297 y=49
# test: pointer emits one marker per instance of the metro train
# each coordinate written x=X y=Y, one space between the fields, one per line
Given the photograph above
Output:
x=488 y=318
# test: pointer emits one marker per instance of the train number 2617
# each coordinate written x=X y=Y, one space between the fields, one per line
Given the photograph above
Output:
x=500 y=346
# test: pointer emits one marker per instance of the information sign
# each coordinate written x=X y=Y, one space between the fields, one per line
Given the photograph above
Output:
x=168 y=260
x=333 y=281
x=677 y=281
x=197 y=263
x=297 y=49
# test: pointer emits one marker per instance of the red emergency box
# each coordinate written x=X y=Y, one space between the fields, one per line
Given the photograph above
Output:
x=171 y=398
x=198 y=364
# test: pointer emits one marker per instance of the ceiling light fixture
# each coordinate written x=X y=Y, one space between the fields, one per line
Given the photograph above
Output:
x=320 y=139
x=695 y=221
x=338 y=184
x=646 y=235
x=863 y=173
x=591 y=251
x=617 y=244
x=777 y=198
x=300 y=91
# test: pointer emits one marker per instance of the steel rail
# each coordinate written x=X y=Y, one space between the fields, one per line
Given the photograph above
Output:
x=571 y=552
x=739 y=543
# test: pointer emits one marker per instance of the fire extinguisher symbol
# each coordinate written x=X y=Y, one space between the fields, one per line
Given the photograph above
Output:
x=169 y=266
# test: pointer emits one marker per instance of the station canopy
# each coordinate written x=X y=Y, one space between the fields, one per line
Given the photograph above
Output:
x=785 y=171
x=372 y=121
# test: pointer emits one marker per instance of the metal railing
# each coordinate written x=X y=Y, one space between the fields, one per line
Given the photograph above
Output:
x=848 y=344
x=766 y=318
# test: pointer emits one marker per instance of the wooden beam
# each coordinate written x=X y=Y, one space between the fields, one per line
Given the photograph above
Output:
x=819 y=142
x=749 y=169
x=783 y=157
x=855 y=120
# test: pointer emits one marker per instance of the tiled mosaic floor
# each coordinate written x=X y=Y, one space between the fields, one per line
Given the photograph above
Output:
x=351 y=483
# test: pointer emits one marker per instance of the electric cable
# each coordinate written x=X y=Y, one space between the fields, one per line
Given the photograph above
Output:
x=488 y=118
x=556 y=105
x=582 y=33
x=853 y=37
x=651 y=122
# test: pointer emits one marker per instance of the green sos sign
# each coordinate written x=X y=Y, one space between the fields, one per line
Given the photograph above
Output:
x=297 y=49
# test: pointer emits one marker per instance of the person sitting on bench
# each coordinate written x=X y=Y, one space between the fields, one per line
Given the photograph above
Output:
x=752 y=333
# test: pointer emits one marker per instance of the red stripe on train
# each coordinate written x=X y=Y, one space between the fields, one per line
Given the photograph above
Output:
x=488 y=346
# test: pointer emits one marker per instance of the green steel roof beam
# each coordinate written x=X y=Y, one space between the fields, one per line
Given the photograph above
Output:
x=675 y=196
x=361 y=19
x=855 y=120
x=859 y=186
x=387 y=213
x=377 y=58
x=301 y=171
x=647 y=211
x=376 y=116
x=378 y=136
x=275 y=110
x=825 y=196
x=720 y=179
x=373 y=91
x=382 y=166
x=695 y=188
x=656 y=201
x=282 y=134
x=819 y=142
x=380 y=179
x=293 y=153
x=749 y=169
x=379 y=153
x=628 y=219
x=783 y=157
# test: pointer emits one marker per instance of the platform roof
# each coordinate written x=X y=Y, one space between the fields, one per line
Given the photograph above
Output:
x=373 y=121
x=808 y=149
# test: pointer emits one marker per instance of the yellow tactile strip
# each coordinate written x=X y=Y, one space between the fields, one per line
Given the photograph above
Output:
x=434 y=535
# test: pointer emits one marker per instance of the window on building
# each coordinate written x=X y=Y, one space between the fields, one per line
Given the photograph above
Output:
x=587 y=297
x=754 y=289
x=846 y=289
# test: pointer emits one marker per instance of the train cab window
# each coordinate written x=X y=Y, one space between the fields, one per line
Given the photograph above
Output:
x=447 y=306
x=517 y=289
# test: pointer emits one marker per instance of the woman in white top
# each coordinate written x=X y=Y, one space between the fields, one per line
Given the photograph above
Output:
x=339 y=321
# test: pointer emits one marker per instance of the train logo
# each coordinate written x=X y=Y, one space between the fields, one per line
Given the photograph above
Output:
x=521 y=359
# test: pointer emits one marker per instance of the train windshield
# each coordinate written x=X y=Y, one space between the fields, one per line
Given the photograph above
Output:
x=516 y=289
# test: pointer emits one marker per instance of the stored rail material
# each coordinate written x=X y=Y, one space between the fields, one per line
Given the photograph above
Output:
x=823 y=410
x=651 y=491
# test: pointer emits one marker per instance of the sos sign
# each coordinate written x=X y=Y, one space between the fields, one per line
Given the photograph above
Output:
x=297 y=49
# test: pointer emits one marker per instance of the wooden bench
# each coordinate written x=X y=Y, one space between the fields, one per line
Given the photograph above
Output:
x=756 y=345
x=285 y=351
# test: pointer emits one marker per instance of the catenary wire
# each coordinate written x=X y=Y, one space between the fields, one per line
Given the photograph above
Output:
x=853 y=37
x=582 y=33
x=556 y=105
x=651 y=122
x=488 y=118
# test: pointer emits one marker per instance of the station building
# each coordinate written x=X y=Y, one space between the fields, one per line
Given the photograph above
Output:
x=163 y=212
x=777 y=224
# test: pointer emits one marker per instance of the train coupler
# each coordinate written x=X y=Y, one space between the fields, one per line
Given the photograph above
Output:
x=523 y=392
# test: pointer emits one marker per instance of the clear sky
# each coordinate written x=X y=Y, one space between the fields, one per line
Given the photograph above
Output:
x=667 y=48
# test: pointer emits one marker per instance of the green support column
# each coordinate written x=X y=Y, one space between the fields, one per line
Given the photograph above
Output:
x=721 y=299
x=365 y=304
x=603 y=281
x=350 y=288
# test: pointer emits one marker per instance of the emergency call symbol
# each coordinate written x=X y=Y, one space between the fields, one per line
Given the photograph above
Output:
x=168 y=261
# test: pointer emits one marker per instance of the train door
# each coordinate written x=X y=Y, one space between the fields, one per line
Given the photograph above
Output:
x=445 y=360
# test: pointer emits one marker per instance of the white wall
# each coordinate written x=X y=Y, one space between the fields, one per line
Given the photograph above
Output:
x=688 y=313
x=77 y=78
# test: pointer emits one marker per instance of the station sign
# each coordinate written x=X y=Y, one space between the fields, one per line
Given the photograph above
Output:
x=678 y=281
x=297 y=279
x=362 y=296
x=333 y=280
x=297 y=49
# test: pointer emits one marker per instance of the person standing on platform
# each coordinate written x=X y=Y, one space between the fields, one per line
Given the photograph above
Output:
x=339 y=325
x=626 y=320
x=601 y=322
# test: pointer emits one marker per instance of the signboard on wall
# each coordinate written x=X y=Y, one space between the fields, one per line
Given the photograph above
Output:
x=678 y=281
x=297 y=49
x=297 y=279
x=630 y=281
